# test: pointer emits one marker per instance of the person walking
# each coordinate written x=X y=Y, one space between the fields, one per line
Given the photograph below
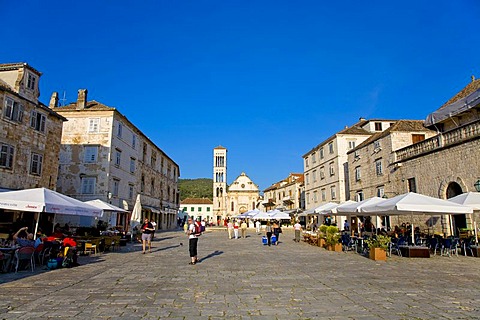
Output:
x=192 y=241
x=258 y=226
x=147 y=229
x=230 y=229
x=298 y=229
x=243 y=227
x=268 y=233
x=276 y=231
x=236 y=225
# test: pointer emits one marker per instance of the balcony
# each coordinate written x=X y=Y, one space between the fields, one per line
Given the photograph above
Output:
x=440 y=141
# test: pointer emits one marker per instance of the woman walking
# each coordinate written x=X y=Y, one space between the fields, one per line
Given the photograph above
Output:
x=276 y=231
x=268 y=233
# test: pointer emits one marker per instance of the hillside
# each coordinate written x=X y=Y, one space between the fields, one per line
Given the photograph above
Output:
x=195 y=188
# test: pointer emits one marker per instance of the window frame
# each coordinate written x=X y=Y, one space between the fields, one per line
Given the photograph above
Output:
x=93 y=155
x=88 y=183
x=93 y=125
x=8 y=155
x=36 y=165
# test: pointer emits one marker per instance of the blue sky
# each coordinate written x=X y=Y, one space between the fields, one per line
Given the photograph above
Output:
x=269 y=80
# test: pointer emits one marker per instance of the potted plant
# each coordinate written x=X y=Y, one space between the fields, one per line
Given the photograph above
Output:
x=332 y=239
x=378 y=247
x=321 y=236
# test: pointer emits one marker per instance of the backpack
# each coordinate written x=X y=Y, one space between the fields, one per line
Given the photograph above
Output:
x=198 y=229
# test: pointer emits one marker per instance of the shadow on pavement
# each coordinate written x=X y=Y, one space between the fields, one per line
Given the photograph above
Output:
x=166 y=248
x=211 y=255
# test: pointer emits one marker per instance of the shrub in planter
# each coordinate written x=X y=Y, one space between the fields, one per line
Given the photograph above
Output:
x=378 y=247
x=332 y=238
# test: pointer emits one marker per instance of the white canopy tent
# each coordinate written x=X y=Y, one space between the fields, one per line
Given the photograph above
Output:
x=333 y=210
x=46 y=200
x=414 y=204
x=472 y=200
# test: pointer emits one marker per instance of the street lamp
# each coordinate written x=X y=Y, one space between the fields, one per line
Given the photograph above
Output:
x=477 y=185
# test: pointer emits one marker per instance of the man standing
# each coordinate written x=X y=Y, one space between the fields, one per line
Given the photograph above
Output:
x=257 y=226
x=192 y=241
x=147 y=230
x=244 y=226
x=298 y=228
x=230 y=229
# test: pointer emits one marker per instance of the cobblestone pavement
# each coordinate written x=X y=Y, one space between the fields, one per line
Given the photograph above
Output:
x=242 y=279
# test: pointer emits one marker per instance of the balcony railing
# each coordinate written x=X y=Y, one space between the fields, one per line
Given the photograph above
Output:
x=441 y=140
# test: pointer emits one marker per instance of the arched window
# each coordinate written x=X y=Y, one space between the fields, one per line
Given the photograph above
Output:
x=233 y=206
x=218 y=192
x=253 y=205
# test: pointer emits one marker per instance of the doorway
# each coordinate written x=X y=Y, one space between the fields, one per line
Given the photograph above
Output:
x=459 y=220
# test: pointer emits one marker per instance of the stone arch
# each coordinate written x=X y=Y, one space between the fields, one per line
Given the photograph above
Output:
x=451 y=187
x=442 y=191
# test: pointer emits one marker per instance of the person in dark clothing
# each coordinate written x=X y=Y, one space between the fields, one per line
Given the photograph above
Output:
x=147 y=230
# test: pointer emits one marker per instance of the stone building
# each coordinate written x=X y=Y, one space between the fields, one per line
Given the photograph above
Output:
x=288 y=194
x=446 y=164
x=325 y=166
x=369 y=164
x=30 y=131
x=198 y=208
x=105 y=156
x=242 y=194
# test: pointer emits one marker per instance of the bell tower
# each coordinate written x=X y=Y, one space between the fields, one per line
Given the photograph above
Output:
x=219 y=183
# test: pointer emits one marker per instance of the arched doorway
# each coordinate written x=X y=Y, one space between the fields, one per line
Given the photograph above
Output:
x=460 y=220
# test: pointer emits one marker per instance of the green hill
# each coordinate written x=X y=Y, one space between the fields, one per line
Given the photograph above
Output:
x=195 y=188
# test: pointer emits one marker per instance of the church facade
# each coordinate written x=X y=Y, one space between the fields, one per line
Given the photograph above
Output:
x=229 y=201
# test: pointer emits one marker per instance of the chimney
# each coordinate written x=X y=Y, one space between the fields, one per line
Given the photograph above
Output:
x=53 y=100
x=82 y=99
x=361 y=119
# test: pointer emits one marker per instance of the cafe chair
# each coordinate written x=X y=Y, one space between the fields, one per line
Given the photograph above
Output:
x=90 y=247
x=24 y=254
x=434 y=245
x=39 y=253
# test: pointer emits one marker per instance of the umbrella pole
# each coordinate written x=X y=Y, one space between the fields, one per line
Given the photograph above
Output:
x=36 y=226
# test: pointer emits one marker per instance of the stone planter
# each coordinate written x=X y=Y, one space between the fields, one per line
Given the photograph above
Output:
x=337 y=247
x=378 y=254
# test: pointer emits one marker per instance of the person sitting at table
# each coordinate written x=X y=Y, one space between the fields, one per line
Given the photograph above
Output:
x=22 y=240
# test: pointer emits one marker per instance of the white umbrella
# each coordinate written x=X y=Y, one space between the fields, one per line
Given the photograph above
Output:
x=414 y=203
x=109 y=210
x=105 y=206
x=472 y=200
x=355 y=207
x=45 y=200
x=136 y=214
x=281 y=216
x=333 y=211
x=262 y=216
x=326 y=207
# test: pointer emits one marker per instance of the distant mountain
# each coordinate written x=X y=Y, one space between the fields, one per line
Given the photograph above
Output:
x=195 y=188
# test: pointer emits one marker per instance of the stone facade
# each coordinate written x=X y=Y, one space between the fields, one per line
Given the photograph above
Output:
x=105 y=156
x=243 y=195
x=369 y=164
x=325 y=166
x=445 y=165
x=30 y=131
x=288 y=194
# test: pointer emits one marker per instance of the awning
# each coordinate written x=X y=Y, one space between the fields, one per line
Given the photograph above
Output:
x=153 y=209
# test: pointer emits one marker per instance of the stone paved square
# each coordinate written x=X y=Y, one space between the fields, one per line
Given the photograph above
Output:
x=242 y=279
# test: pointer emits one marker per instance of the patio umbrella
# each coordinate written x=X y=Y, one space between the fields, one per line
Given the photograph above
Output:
x=324 y=208
x=136 y=214
x=107 y=208
x=46 y=200
x=353 y=208
x=472 y=200
x=415 y=203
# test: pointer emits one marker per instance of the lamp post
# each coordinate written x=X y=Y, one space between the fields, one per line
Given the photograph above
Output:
x=477 y=185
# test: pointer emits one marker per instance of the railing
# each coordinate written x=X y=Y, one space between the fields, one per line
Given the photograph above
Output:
x=441 y=140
